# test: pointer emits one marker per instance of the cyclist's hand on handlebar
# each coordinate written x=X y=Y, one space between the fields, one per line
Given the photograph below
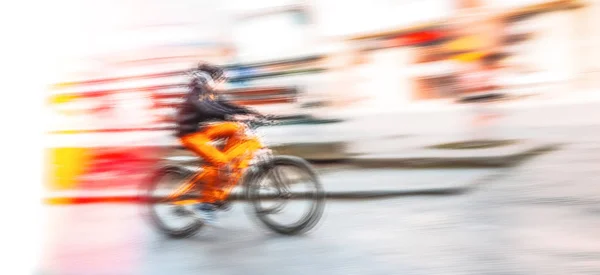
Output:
x=268 y=120
x=257 y=118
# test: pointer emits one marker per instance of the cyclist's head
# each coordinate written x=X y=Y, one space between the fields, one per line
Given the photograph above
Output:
x=208 y=76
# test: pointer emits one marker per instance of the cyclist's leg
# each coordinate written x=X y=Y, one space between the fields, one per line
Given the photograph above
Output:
x=237 y=144
x=239 y=149
x=234 y=134
x=199 y=143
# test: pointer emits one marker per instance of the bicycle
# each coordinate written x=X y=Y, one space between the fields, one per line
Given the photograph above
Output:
x=260 y=164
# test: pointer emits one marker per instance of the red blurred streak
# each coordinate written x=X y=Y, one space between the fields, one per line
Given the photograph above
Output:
x=247 y=102
x=265 y=101
x=122 y=163
x=114 y=130
x=155 y=60
x=159 y=75
x=93 y=199
x=105 y=93
x=107 y=108
x=261 y=91
x=418 y=38
x=116 y=79
x=149 y=89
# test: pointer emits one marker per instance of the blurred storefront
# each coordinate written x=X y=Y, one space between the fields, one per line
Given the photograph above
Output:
x=374 y=65
x=532 y=44
x=549 y=57
x=588 y=33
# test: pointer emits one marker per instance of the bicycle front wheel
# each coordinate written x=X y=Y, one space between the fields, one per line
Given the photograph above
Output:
x=167 y=194
x=286 y=195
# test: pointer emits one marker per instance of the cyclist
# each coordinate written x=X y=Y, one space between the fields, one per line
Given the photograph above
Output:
x=205 y=116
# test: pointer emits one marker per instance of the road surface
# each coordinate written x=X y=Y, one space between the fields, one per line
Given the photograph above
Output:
x=541 y=218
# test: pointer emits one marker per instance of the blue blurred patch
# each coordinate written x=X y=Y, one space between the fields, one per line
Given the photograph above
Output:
x=238 y=76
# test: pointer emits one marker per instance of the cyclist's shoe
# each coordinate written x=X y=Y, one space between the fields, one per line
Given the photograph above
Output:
x=207 y=212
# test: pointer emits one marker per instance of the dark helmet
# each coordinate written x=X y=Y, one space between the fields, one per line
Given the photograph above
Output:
x=207 y=75
x=217 y=73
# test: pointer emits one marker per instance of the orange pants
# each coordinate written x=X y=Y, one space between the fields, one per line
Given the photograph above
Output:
x=236 y=145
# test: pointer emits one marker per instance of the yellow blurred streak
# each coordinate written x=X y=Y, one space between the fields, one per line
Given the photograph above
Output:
x=59 y=99
x=469 y=57
x=471 y=42
x=469 y=48
x=187 y=202
x=62 y=85
x=64 y=166
x=58 y=201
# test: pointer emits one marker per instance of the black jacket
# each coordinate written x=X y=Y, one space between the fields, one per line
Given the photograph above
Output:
x=201 y=105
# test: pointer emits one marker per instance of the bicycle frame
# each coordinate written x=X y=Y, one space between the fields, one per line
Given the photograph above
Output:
x=256 y=153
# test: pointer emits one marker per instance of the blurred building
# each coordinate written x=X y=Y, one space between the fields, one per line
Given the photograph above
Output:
x=327 y=58
x=538 y=43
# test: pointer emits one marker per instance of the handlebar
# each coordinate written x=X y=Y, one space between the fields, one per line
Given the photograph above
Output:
x=259 y=122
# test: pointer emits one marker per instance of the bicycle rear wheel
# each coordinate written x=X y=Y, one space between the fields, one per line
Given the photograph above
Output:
x=278 y=186
x=166 y=193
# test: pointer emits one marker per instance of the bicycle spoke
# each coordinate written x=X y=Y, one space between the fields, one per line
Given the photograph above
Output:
x=280 y=183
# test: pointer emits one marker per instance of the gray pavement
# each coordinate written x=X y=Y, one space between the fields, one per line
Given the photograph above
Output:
x=407 y=180
x=540 y=218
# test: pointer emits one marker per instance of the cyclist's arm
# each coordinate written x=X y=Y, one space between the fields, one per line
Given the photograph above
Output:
x=237 y=109
x=207 y=107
